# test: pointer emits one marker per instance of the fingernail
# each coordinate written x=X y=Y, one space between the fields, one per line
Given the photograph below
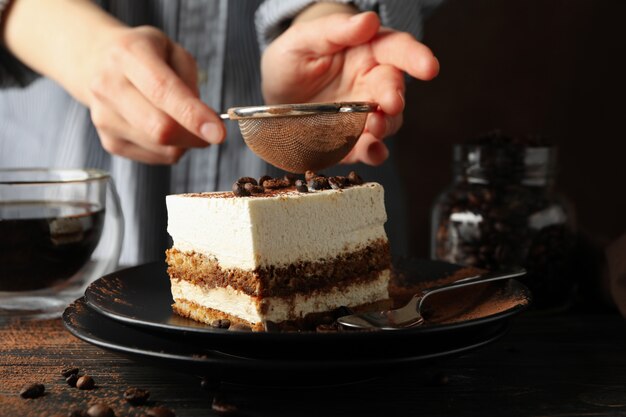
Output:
x=212 y=132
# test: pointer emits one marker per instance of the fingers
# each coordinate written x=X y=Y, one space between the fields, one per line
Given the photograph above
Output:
x=144 y=98
x=368 y=150
x=146 y=69
x=402 y=51
x=381 y=125
x=141 y=122
x=114 y=132
x=386 y=87
x=330 y=34
x=118 y=146
x=183 y=63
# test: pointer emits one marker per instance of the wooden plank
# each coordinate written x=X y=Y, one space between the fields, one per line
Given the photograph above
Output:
x=546 y=366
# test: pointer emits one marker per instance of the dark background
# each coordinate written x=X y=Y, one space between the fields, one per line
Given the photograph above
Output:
x=549 y=67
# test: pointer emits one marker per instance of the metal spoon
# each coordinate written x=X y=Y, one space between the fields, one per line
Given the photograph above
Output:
x=410 y=315
x=301 y=137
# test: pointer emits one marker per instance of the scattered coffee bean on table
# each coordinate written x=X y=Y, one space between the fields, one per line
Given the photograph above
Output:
x=32 y=391
x=160 y=412
x=85 y=382
x=69 y=371
x=72 y=380
x=100 y=410
x=136 y=396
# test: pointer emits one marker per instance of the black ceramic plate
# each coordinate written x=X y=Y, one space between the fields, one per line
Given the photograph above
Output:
x=140 y=297
x=86 y=324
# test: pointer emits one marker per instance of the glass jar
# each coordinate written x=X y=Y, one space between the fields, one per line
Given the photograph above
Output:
x=502 y=211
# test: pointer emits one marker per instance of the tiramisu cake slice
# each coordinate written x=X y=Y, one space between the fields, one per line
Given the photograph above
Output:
x=278 y=252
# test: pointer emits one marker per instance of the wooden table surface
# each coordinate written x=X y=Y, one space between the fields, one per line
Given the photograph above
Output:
x=565 y=365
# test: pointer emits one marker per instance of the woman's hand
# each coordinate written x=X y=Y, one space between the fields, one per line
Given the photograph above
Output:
x=144 y=100
x=140 y=86
x=343 y=57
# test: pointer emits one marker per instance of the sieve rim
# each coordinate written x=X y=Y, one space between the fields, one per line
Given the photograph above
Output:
x=301 y=109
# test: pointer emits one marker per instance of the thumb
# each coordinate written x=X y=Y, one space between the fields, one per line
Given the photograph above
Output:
x=330 y=34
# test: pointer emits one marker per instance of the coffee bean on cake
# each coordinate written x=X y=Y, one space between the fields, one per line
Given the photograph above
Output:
x=291 y=178
x=239 y=190
x=253 y=189
x=354 y=178
x=301 y=187
x=247 y=180
x=337 y=183
x=263 y=179
x=32 y=391
x=318 y=183
x=276 y=183
x=85 y=382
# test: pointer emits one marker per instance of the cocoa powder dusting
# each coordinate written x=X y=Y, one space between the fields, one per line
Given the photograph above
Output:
x=37 y=352
x=111 y=290
x=478 y=301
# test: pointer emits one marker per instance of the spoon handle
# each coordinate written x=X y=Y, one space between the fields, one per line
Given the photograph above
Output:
x=466 y=282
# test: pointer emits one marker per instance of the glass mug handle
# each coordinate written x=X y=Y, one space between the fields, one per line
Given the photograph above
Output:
x=118 y=227
x=113 y=236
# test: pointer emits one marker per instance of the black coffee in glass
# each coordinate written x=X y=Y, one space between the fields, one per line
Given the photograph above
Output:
x=44 y=243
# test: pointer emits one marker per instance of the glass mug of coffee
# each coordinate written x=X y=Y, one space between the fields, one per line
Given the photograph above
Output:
x=59 y=230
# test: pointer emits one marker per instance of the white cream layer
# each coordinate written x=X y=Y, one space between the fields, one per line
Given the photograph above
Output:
x=236 y=303
x=248 y=232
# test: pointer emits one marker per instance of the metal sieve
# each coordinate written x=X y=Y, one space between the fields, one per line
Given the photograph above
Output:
x=301 y=137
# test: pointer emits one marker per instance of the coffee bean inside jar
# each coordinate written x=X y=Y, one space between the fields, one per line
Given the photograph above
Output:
x=502 y=211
